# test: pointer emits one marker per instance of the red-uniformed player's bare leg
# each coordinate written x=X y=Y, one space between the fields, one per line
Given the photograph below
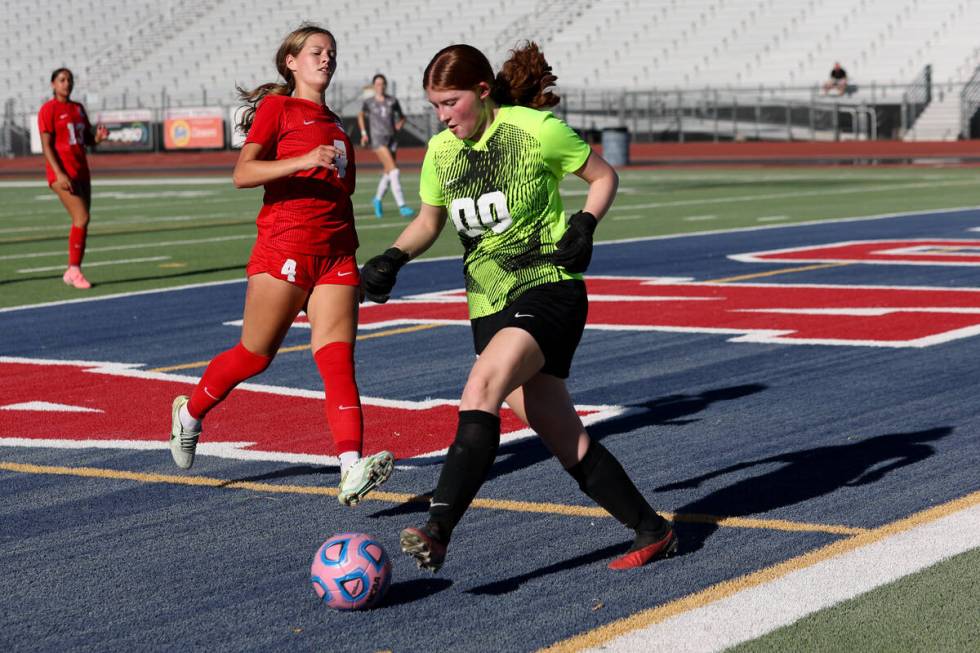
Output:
x=77 y=202
x=271 y=305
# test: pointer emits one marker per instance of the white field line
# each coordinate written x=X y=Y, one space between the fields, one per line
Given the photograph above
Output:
x=108 y=207
x=753 y=612
x=434 y=259
x=793 y=225
x=134 y=220
x=100 y=181
x=92 y=265
x=150 y=181
x=749 y=178
x=140 y=220
x=699 y=218
x=772 y=218
x=116 y=248
x=772 y=196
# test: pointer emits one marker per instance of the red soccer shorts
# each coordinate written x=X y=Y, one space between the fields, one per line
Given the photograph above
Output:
x=303 y=270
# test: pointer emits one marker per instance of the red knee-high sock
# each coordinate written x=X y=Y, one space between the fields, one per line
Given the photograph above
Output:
x=343 y=407
x=224 y=372
x=76 y=244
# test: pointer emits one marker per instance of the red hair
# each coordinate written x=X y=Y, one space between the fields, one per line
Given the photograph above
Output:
x=524 y=79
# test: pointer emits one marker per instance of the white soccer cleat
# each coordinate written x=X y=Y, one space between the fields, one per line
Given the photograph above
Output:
x=363 y=476
x=183 y=443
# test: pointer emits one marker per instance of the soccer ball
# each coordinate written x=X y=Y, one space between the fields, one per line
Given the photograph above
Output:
x=351 y=571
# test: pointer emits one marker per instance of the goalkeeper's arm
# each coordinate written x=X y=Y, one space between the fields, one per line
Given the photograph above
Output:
x=573 y=251
x=379 y=273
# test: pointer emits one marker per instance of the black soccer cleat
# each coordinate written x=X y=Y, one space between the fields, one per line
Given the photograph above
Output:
x=423 y=545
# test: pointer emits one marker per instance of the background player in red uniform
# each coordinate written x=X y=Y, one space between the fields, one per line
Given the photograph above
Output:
x=303 y=258
x=65 y=131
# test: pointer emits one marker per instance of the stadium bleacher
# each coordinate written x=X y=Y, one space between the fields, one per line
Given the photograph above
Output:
x=193 y=52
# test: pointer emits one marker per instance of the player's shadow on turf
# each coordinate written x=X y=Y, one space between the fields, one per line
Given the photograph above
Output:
x=287 y=472
x=663 y=411
x=508 y=585
x=803 y=475
x=414 y=590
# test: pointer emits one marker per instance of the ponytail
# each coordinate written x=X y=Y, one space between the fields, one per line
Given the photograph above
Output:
x=525 y=78
x=253 y=97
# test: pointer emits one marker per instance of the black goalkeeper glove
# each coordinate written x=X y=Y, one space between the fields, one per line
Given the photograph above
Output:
x=378 y=274
x=573 y=251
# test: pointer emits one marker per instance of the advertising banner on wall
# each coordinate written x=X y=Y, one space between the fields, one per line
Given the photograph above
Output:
x=129 y=131
x=194 y=128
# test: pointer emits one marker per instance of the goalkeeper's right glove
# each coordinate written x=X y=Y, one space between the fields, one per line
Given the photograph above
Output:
x=379 y=273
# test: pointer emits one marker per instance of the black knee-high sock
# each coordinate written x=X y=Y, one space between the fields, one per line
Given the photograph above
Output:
x=604 y=480
x=467 y=465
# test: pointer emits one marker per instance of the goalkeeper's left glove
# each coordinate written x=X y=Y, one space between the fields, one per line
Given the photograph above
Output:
x=574 y=249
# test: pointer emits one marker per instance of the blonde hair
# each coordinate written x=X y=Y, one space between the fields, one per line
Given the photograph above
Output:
x=291 y=45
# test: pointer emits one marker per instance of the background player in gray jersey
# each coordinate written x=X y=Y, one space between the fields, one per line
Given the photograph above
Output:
x=384 y=120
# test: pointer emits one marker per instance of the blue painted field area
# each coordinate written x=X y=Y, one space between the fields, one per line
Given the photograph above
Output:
x=806 y=442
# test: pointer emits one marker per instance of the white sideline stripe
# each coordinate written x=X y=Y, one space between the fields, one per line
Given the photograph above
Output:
x=774 y=196
x=228 y=450
x=711 y=232
x=697 y=218
x=135 y=293
x=753 y=612
x=116 y=248
x=132 y=220
x=148 y=181
x=772 y=218
x=793 y=225
x=226 y=179
x=92 y=265
x=637 y=216
x=48 y=407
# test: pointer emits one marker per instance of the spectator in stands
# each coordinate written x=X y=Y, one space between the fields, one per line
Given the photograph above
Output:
x=496 y=169
x=303 y=258
x=65 y=131
x=384 y=120
x=837 y=81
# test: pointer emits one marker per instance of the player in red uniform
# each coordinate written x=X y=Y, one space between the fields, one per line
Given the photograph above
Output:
x=65 y=131
x=303 y=258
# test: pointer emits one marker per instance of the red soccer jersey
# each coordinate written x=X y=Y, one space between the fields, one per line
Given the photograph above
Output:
x=308 y=212
x=70 y=126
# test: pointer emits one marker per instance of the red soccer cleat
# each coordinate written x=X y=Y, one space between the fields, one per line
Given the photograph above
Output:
x=662 y=548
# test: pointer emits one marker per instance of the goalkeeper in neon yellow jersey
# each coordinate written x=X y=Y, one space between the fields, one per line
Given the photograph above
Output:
x=494 y=173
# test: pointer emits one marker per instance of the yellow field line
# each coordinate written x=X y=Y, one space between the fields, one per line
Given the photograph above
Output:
x=772 y=273
x=725 y=589
x=401 y=498
x=287 y=350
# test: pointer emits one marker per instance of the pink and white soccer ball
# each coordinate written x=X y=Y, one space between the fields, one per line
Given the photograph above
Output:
x=351 y=571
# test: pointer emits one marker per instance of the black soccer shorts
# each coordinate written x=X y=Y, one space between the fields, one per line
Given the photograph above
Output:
x=553 y=313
